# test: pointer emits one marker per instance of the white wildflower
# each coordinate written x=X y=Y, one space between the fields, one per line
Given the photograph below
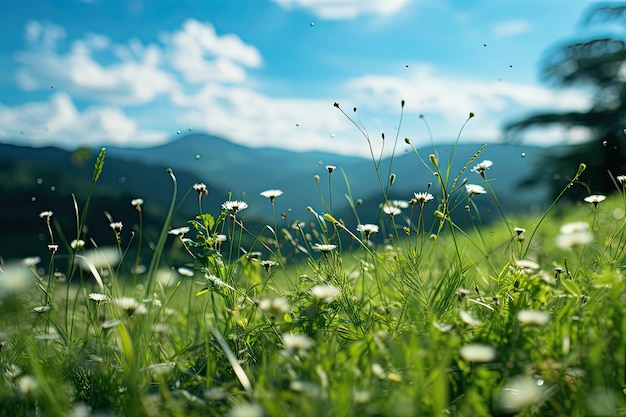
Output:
x=482 y=167
x=468 y=319
x=533 y=317
x=574 y=227
x=391 y=210
x=179 y=231
x=475 y=352
x=324 y=248
x=297 y=343
x=201 y=189
x=519 y=392
x=367 y=229
x=186 y=272
x=234 y=206
x=422 y=198
x=272 y=194
x=130 y=305
x=97 y=297
x=274 y=306
x=77 y=244
x=325 y=293
x=473 y=189
x=595 y=199
x=246 y=410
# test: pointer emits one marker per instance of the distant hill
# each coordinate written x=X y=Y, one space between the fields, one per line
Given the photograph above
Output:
x=37 y=179
x=33 y=180
x=248 y=171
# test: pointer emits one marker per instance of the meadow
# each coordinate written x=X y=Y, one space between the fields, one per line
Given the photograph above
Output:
x=394 y=316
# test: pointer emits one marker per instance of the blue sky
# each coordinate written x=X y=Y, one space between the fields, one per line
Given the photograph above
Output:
x=267 y=72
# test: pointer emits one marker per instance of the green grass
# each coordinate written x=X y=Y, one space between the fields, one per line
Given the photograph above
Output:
x=319 y=319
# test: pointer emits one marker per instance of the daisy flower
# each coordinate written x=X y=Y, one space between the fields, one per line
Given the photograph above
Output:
x=324 y=248
x=473 y=189
x=482 y=167
x=367 y=229
x=272 y=194
x=595 y=199
x=234 y=206
x=423 y=198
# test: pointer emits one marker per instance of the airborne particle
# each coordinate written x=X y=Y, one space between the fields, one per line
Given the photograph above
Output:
x=178 y=132
x=523 y=154
x=312 y=24
x=190 y=128
x=604 y=143
x=484 y=44
x=332 y=135
x=197 y=157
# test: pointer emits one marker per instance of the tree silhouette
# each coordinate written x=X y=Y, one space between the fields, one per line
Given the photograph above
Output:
x=598 y=63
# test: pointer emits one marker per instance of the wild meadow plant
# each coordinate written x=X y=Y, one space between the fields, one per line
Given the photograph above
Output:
x=397 y=316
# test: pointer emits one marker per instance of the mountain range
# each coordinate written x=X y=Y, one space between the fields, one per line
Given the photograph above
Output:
x=246 y=172
x=37 y=179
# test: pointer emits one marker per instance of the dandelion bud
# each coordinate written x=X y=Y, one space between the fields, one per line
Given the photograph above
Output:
x=392 y=179
x=354 y=109
x=330 y=168
x=383 y=135
x=359 y=201
x=329 y=218
x=433 y=160
x=407 y=141
x=402 y=103
x=336 y=104
x=471 y=114
x=316 y=178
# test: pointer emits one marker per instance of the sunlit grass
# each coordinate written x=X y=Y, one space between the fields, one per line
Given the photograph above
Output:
x=396 y=316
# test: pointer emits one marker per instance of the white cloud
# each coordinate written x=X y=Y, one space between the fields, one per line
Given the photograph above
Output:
x=201 y=55
x=346 y=9
x=137 y=79
x=251 y=118
x=510 y=28
x=200 y=79
x=133 y=73
x=43 y=35
x=58 y=122
x=447 y=100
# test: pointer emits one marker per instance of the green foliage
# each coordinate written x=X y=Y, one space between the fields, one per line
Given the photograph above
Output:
x=405 y=317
